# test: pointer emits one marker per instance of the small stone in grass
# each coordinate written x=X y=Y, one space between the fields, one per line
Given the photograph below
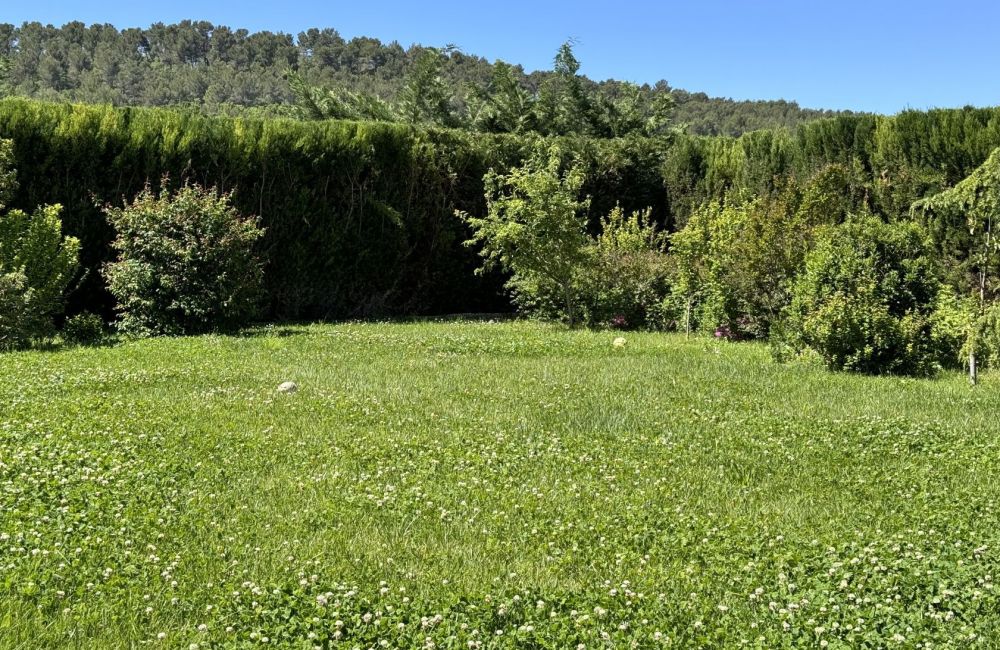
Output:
x=288 y=387
x=619 y=342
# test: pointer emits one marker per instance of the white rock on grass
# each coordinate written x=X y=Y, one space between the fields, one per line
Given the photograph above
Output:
x=288 y=387
x=619 y=342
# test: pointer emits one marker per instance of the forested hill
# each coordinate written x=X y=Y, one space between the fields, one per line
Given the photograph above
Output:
x=221 y=69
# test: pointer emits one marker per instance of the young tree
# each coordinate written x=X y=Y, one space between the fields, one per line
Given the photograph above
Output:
x=623 y=108
x=535 y=228
x=426 y=98
x=504 y=106
x=315 y=103
x=564 y=106
x=961 y=221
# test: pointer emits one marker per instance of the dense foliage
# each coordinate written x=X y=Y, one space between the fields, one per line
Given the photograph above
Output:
x=360 y=216
x=535 y=229
x=737 y=256
x=626 y=274
x=84 y=328
x=186 y=262
x=37 y=264
x=32 y=245
x=961 y=220
x=221 y=69
x=864 y=299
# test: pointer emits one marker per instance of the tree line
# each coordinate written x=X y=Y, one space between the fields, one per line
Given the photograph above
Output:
x=223 y=70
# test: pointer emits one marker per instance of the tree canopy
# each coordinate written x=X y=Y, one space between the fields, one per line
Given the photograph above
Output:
x=225 y=70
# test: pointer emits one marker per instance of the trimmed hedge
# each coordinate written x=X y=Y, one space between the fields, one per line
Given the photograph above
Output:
x=360 y=216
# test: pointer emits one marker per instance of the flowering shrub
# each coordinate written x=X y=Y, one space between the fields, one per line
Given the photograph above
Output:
x=724 y=332
x=619 y=322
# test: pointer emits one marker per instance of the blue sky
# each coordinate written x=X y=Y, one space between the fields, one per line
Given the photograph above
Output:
x=875 y=55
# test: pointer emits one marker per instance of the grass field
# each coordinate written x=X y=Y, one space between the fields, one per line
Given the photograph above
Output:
x=468 y=485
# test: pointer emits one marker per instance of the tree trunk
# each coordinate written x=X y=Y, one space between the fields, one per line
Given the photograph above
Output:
x=972 y=368
x=570 y=307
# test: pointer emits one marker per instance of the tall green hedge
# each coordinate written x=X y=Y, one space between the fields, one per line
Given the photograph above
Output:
x=898 y=158
x=360 y=216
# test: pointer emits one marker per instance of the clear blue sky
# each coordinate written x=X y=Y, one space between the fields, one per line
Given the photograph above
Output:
x=875 y=55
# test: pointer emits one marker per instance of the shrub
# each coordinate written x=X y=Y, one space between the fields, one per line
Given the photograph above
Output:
x=951 y=322
x=186 y=262
x=864 y=300
x=734 y=262
x=37 y=265
x=737 y=257
x=534 y=229
x=15 y=328
x=84 y=329
x=623 y=279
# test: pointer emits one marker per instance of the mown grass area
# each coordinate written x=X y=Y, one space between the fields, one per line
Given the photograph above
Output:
x=489 y=485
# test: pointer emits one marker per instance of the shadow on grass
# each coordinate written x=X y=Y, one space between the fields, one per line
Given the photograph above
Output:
x=263 y=331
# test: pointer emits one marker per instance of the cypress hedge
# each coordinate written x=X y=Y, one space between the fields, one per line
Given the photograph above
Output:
x=360 y=216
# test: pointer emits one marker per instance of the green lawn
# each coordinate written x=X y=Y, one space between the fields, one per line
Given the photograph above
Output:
x=489 y=485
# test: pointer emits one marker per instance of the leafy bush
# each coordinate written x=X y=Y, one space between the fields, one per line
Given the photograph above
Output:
x=37 y=265
x=951 y=323
x=735 y=260
x=534 y=228
x=737 y=257
x=187 y=262
x=15 y=326
x=624 y=278
x=84 y=329
x=865 y=298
